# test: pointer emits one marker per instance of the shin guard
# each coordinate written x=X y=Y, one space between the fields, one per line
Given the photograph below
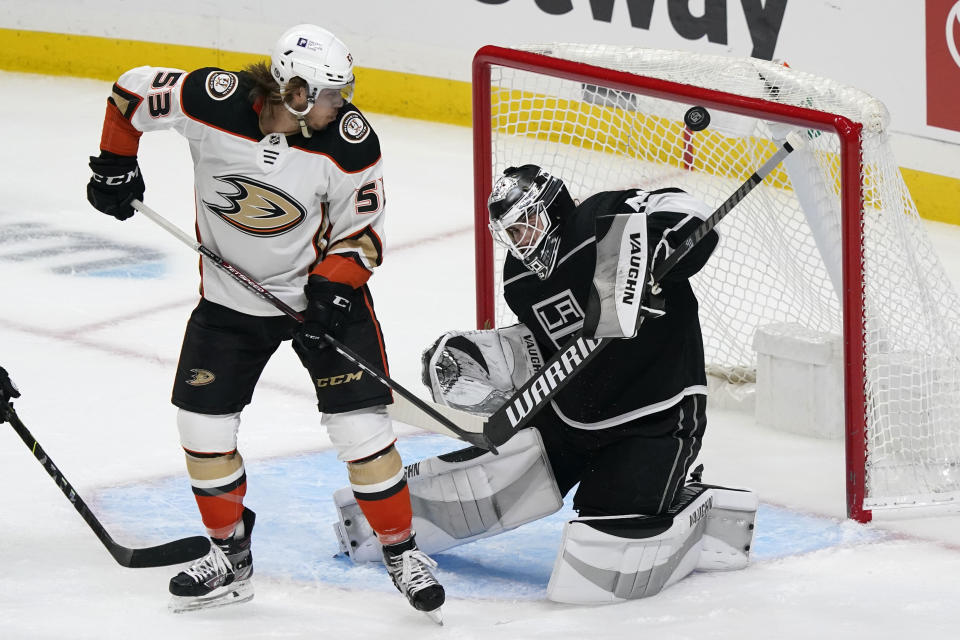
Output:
x=219 y=484
x=379 y=486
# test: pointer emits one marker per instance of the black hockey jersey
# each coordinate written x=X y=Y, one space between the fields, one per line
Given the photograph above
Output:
x=632 y=377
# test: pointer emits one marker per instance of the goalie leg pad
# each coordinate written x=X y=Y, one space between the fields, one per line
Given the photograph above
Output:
x=615 y=558
x=462 y=496
x=729 y=532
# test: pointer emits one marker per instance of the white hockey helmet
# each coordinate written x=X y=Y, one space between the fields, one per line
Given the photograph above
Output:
x=316 y=55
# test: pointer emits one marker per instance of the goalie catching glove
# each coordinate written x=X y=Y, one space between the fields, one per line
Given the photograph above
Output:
x=478 y=371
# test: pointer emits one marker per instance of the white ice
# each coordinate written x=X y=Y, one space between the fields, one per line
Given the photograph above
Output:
x=94 y=358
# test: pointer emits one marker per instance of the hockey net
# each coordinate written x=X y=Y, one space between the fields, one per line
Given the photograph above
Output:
x=831 y=241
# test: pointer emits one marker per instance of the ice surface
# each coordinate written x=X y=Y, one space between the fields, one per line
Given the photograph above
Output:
x=92 y=338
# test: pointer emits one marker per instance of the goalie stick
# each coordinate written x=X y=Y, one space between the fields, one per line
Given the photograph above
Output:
x=176 y=552
x=476 y=439
x=566 y=363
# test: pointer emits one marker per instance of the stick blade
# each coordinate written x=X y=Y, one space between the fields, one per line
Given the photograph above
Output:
x=480 y=440
x=164 y=555
x=498 y=430
x=437 y=418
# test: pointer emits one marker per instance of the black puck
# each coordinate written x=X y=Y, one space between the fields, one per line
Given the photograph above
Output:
x=696 y=118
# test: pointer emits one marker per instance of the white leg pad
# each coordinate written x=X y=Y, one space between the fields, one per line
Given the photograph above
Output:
x=616 y=558
x=208 y=433
x=460 y=498
x=729 y=533
x=361 y=433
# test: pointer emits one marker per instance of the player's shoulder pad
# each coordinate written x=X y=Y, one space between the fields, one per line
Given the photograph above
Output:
x=349 y=140
x=220 y=98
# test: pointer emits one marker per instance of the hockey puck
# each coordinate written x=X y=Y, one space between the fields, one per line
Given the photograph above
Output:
x=696 y=118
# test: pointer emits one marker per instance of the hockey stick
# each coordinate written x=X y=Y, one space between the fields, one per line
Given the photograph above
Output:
x=476 y=439
x=176 y=552
x=793 y=142
x=580 y=350
x=403 y=411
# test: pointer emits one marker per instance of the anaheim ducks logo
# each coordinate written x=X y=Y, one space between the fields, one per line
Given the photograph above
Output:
x=201 y=377
x=257 y=208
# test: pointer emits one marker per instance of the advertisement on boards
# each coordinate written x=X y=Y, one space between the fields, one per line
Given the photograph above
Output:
x=943 y=63
x=709 y=21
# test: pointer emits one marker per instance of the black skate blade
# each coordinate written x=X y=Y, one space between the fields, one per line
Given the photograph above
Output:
x=235 y=593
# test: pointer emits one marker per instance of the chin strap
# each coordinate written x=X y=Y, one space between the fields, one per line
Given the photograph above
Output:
x=304 y=129
x=299 y=115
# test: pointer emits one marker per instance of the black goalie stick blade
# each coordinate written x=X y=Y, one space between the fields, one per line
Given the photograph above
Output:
x=175 y=552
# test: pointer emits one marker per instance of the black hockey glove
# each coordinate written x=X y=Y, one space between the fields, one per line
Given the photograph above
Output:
x=8 y=391
x=328 y=306
x=116 y=180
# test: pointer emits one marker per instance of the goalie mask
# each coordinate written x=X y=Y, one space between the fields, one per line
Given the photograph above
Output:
x=526 y=206
x=318 y=57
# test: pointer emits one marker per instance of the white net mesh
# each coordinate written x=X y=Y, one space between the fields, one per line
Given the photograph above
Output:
x=779 y=259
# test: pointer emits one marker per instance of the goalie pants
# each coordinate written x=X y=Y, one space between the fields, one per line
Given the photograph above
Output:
x=634 y=468
x=224 y=353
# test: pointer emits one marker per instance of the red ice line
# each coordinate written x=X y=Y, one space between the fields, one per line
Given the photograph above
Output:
x=76 y=334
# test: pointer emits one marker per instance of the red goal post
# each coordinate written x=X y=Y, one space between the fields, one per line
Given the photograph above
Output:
x=574 y=108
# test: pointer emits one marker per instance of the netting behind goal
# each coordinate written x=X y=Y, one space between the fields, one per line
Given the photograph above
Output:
x=831 y=241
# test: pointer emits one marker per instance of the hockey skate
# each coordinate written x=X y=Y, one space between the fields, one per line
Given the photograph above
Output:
x=409 y=568
x=221 y=577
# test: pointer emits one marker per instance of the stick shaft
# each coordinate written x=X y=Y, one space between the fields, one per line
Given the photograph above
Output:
x=175 y=552
x=708 y=225
x=570 y=360
x=258 y=289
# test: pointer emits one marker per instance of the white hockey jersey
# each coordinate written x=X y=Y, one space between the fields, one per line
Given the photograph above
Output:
x=278 y=207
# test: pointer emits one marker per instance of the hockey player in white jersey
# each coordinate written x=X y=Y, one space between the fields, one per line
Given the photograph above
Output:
x=288 y=186
x=625 y=431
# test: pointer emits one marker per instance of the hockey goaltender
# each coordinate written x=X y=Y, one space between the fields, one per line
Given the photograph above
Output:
x=627 y=428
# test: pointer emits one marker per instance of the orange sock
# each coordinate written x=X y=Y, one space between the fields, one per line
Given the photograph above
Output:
x=219 y=484
x=391 y=516
x=379 y=484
